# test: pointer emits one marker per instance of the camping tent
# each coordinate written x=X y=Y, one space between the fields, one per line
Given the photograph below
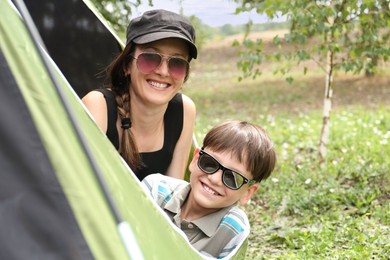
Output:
x=65 y=193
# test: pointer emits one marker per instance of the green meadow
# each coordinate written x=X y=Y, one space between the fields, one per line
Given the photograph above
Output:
x=338 y=210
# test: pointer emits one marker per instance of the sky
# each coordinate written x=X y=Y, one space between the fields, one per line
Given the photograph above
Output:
x=211 y=12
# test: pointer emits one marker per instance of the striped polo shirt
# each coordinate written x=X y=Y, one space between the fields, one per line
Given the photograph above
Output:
x=216 y=234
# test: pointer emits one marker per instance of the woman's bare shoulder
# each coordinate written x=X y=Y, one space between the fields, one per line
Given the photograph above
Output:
x=188 y=104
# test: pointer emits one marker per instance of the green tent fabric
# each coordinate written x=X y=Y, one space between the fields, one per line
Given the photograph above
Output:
x=51 y=203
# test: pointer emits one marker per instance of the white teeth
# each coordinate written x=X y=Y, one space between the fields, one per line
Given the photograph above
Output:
x=158 y=85
x=209 y=190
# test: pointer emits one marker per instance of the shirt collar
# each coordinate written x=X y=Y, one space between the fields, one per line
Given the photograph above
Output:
x=208 y=224
x=174 y=204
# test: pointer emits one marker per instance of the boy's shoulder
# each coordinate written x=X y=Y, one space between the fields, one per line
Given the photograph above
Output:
x=163 y=188
x=158 y=179
x=230 y=233
x=235 y=220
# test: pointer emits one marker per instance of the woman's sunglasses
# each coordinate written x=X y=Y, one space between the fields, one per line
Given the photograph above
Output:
x=231 y=179
x=149 y=61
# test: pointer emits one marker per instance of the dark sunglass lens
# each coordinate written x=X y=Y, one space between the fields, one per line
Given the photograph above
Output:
x=178 y=67
x=232 y=179
x=208 y=164
x=147 y=62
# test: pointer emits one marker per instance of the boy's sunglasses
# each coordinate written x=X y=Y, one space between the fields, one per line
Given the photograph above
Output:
x=149 y=61
x=231 y=179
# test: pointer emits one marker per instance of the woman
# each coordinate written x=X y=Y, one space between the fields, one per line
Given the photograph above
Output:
x=140 y=110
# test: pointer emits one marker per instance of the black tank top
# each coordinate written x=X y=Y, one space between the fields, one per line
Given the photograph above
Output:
x=158 y=161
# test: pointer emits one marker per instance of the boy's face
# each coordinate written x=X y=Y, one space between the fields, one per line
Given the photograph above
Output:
x=209 y=192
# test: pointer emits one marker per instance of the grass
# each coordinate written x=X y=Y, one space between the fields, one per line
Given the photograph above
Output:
x=305 y=211
x=337 y=211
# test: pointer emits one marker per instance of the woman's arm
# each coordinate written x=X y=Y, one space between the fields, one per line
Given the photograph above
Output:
x=96 y=105
x=179 y=161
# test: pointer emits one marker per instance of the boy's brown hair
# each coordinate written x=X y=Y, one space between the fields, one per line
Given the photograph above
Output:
x=247 y=142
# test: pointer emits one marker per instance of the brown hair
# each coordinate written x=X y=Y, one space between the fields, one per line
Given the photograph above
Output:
x=119 y=82
x=248 y=143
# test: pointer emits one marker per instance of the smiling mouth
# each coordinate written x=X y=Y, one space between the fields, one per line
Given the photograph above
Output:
x=210 y=190
x=158 y=85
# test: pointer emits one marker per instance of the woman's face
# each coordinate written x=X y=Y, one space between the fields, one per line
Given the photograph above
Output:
x=158 y=86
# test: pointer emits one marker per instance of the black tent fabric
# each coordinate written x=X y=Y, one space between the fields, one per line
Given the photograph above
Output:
x=34 y=212
x=69 y=28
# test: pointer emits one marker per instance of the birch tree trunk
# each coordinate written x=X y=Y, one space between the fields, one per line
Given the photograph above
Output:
x=327 y=106
x=330 y=39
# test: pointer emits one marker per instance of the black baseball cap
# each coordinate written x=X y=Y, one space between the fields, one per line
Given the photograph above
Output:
x=161 y=24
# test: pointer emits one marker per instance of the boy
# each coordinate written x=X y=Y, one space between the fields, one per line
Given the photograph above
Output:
x=235 y=157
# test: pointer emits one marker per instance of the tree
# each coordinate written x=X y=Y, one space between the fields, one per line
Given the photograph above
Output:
x=203 y=31
x=117 y=12
x=351 y=35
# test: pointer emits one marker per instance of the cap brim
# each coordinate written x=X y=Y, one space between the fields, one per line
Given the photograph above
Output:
x=151 y=37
